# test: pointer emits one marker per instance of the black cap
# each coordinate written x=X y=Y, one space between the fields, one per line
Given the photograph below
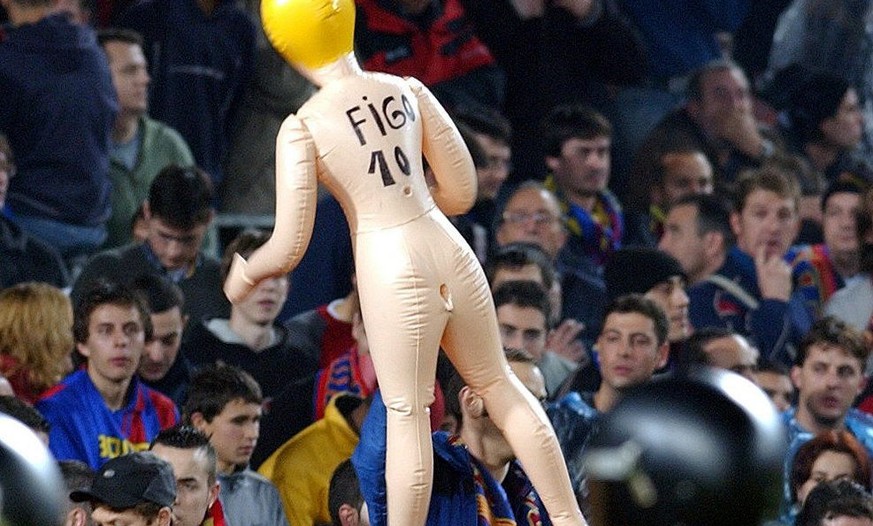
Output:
x=123 y=482
x=637 y=270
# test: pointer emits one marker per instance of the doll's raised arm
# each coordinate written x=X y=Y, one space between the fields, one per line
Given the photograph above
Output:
x=296 y=187
x=446 y=153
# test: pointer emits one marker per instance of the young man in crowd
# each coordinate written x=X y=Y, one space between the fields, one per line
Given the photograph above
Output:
x=476 y=476
x=195 y=468
x=578 y=143
x=134 y=490
x=697 y=232
x=828 y=374
x=103 y=410
x=523 y=318
x=177 y=214
x=162 y=367
x=723 y=349
x=632 y=346
x=751 y=292
x=250 y=338
x=658 y=277
x=139 y=146
x=224 y=403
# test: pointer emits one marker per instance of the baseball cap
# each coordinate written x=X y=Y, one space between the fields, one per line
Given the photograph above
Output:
x=128 y=480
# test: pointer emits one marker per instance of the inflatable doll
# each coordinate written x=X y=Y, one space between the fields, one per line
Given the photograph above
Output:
x=420 y=286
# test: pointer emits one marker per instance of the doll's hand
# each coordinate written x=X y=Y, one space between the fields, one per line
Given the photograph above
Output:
x=238 y=285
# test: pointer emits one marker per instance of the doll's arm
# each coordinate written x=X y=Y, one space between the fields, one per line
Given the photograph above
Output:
x=446 y=153
x=296 y=187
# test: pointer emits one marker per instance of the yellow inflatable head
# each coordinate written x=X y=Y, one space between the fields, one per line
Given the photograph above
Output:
x=310 y=33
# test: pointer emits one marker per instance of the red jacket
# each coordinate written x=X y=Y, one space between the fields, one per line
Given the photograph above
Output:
x=441 y=48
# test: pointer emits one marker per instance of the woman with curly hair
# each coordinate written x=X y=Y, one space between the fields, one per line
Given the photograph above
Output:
x=36 y=337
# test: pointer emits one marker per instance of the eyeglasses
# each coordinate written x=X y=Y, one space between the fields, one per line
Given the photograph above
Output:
x=539 y=218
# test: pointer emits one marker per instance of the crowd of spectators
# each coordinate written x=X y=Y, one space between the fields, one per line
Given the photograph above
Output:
x=662 y=185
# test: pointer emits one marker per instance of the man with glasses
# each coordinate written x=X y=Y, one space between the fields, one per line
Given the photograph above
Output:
x=533 y=215
x=177 y=214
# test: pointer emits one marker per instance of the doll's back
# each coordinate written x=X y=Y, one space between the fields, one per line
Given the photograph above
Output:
x=368 y=135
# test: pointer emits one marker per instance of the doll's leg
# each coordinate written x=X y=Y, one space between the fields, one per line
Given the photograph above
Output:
x=404 y=346
x=473 y=344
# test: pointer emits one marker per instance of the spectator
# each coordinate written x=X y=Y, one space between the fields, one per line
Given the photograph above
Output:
x=827 y=124
x=250 y=338
x=854 y=302
x=723 y=349
x=717 y=119
x=136 y=490
x=492 y=134
x=776 y=384
x=751 y=291
x=569 y=51
x=822 y=269
x=828 y=375
x=678 y=38
x=200 y=57
x=36 y=338
x=162 y=367
x=56 y=69
x=27 y=415
x=77 y=477
x=527 y=262
x=828 y=37
x=831 y=455
x=837 y=503
x=177 y=214
x=523 y=318
x=658 y=277
x=140 y=147
x=578 y=142
x=533 y=215
x=473 y=470
x=224 y=403
x=194 y=465
x=302 y=467
x=414 y=38
x=346 y=504
x=631 y=347
x=275 y=91
x=697 y=232
x=661 y=178
x=103 y=411
x=24 y=257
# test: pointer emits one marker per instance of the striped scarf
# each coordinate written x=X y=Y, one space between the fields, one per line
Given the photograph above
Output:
x=599 y=232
